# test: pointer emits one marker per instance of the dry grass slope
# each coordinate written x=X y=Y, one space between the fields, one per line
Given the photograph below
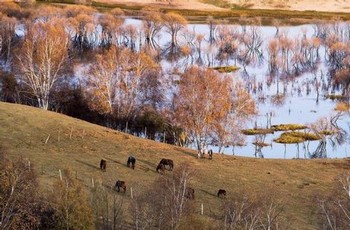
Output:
x=79 y=146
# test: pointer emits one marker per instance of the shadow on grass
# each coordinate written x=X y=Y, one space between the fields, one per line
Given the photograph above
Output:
x=88 y=164
x=186 y=152
x=114 y=161
x=209 y=193
x=151 y=165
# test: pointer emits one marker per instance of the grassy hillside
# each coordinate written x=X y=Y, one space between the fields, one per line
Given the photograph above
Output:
x=79 y=146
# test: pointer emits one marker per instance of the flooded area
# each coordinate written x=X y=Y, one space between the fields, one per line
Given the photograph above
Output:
x=302 y=99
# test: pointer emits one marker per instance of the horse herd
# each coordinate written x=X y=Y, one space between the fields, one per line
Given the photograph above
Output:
x=164 y=164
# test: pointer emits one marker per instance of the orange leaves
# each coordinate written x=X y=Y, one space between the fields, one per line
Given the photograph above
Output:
x=209 y=104
x=203 y=97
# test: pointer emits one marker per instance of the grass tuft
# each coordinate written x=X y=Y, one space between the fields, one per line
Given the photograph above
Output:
x=226 y=69
x=288 y=127
x=296 y=137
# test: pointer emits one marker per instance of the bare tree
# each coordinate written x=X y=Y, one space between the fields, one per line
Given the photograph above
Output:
x=107 y=208
x=41 y=58
x=335 y=209
x=115 y=81
x=165 y=205
x=245 y=212
x=7 y=36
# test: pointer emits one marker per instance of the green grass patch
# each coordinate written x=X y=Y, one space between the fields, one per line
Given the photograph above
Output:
x=226 y=69
x=256 y=131
x=288 y=127
x=326 y=132
x=296 y=137
x=336 y=97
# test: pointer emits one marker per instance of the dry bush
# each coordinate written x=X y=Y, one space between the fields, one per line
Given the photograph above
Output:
x=70 y=203
x=244 y=211
x=19 y=200
x=164 y=206
x=335 y=208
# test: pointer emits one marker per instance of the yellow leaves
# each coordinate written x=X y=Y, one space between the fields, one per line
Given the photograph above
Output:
x=174 y=18
x=117 y=12
x=339 y=46
x=208 y=102
x=342 y=107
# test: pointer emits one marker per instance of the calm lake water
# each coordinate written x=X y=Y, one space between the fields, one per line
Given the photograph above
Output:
x=300 y=104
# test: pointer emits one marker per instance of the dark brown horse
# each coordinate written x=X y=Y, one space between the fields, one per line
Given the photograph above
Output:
x=160 y=167
x=167 y=162
x=120 y=185
x=189 y=193
x=222 y=193
x=131 y=162
x=103 y=164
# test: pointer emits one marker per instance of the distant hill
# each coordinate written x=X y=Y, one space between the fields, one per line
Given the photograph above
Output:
x=52 y=141
x=305 y=5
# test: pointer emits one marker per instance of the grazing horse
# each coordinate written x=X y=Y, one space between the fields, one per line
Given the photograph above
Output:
x=103 y=164
x=120 y=185
x=221 y=193
x=165 y=162
x=131 y=162
x=160 y=167
x=189 y=193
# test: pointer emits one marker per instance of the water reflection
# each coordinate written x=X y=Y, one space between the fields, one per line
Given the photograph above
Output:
x=289 y=71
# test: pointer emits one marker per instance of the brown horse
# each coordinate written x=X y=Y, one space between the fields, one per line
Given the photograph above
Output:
x=103 y=164
x=163 y=163
x=120 y=185
x=222 y=193
x=189 y=193
x=131 y=162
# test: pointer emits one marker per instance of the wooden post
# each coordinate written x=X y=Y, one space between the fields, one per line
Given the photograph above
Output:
x=92 y=182
x=71 y=133
x=164 y=137
x=29 y=164
x=47 y=139
x=59 y=171
x=131 y=194
x=145 y=132
x=202 y=209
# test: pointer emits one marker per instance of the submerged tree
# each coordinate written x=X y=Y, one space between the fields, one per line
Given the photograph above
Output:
x=152 y=24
